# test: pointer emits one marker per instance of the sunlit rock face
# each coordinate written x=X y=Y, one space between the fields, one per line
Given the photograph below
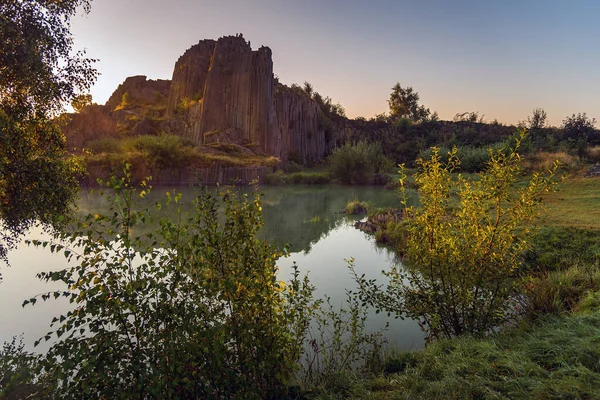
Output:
x=221 y=91
x=135 y=108
x=232 y=88
x=142 y=91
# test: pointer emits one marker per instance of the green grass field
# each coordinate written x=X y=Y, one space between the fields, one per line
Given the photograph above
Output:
x=575 y=204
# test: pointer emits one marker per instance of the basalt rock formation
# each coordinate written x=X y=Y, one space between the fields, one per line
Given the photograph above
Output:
x=222 y=92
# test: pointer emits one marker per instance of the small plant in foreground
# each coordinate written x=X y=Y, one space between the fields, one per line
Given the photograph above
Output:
x=338 y=349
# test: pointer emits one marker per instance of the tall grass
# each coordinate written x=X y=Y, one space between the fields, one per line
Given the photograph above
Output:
x=543 y=161
x=593 y=154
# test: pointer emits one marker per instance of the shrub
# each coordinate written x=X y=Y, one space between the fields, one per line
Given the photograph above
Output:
x=184 y=104
x=593 y=154
x=193 y=310
x=356 y=207
x=125 y=102
x=463 y=254
x=338 y=349
x=164 y=151
x=106 y=145
x=303 y=177
x=358 y=162
x=472 y=159
x=18 y=376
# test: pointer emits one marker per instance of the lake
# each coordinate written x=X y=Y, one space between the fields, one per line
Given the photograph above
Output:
x=308 y=218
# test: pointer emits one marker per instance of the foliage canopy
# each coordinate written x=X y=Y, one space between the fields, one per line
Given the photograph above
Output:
x=404 y=103
x=39 y=74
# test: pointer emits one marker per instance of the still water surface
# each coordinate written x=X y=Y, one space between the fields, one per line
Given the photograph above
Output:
x=308 y=218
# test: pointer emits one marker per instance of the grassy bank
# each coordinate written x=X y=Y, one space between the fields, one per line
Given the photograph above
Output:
x=169 y=151
x=558 y=357
x=553 y=351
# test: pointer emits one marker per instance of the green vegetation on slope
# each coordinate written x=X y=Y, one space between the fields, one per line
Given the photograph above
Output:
x=559 y=357
x=167 y=151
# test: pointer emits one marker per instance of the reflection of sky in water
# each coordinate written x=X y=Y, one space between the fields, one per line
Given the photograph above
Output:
x=309 y=218
x=19 y=284
x=328 y=271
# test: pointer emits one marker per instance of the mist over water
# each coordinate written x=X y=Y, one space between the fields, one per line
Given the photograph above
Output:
x=309 y=219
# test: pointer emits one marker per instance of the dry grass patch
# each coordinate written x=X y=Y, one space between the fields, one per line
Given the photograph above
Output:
x=593 y=154
x=543 y=161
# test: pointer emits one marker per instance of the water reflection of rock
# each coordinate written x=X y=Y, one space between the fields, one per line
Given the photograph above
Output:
x=298 y=215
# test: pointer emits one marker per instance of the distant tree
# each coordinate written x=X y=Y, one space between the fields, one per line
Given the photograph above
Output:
x=435 y=117
x=81 y=101
x=538 y=119
x=308 y=88
x=469 y=116
x=404 y=102
x=383 y=117
x=39 y=75
x=578 y=126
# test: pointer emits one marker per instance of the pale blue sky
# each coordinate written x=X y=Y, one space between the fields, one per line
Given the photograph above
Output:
x=501 y=58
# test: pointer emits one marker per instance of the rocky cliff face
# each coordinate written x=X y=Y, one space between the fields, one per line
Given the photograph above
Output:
x=142 y=115
x=229 y=87
x=302 y=138
x=141 y=91
x=222 y=91
x=92 y=123
x=233 y=88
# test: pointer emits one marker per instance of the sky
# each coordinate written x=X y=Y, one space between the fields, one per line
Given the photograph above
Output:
x=499 y=58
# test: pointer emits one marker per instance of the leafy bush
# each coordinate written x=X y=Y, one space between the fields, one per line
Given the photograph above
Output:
x=303 y=177
x=463 y=253
x=338 y=349
x=358 y=162
x=106 y=145
x=472 y=159
x=356 y=207
x=164 y=151
x=193 y=310
x=18 y=372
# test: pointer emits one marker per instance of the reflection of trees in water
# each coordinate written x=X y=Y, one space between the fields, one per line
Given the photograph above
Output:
x=302 y=215
x=297 y=215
